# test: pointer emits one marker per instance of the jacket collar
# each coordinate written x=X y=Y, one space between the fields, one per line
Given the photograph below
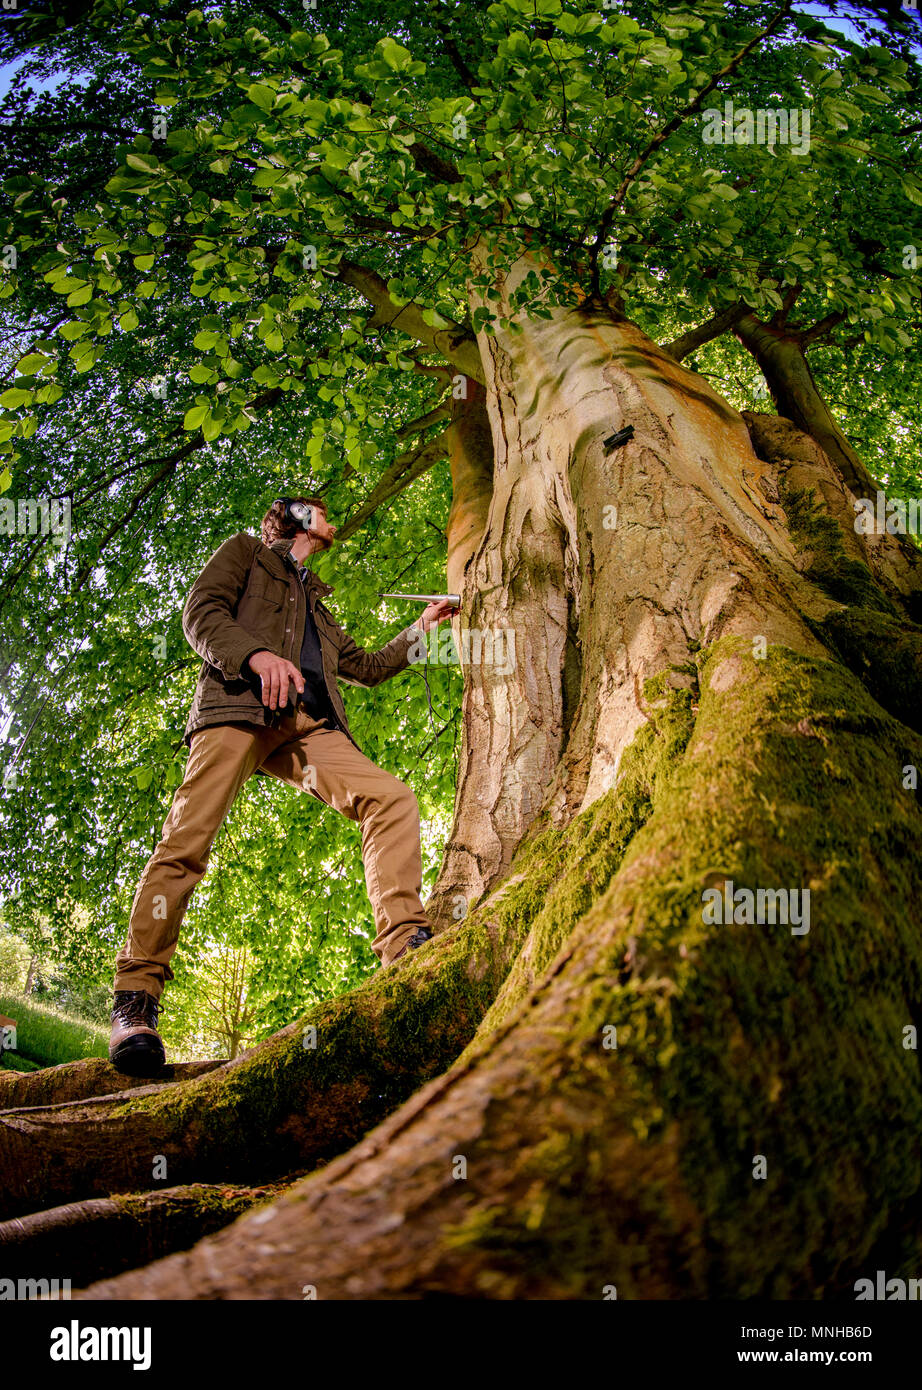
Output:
x=282 y=548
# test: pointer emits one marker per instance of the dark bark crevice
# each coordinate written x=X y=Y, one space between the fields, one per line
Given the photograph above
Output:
x=105 y=1236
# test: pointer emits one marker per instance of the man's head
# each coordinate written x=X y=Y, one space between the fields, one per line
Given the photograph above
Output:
x=276 y=526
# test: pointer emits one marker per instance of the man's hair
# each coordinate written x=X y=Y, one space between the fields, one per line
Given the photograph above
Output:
x=274 y=527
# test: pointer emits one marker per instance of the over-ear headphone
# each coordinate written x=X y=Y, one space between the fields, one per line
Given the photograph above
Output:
x=300 y=513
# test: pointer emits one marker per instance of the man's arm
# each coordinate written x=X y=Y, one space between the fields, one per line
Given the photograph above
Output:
x=360 y=667
x=207 y=618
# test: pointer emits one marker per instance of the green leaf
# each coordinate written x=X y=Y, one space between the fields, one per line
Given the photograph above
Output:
x=394 y=55
x=261 y=95
x=84 y=355
x=213 y=425
x=6 y=479
x=80 y=297
x=15 y=397
x=146 y=163
x=143 y=263
x=30 y=364
x=861 y=89
x=435 y=319
x=128 y=321
x=337 y=158
x=144 y=776
x=66 y=285
x=195 y=417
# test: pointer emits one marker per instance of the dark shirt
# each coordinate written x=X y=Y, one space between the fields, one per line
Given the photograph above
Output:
x=314 y=697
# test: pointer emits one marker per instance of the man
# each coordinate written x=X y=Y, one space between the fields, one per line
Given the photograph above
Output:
x=267 y=702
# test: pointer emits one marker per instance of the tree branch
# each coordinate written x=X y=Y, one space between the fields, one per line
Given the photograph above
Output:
x=780 y=317
x=442 y=411
x=819 y=330
x=169 y=466
x=682 y=346
x=403 y=471
x=455 y=343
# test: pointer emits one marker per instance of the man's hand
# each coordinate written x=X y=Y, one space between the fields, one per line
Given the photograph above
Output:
x=434 y=613
x=275 y=673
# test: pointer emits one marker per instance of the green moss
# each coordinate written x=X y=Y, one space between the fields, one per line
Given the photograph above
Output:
x=206 y=1204
x=733 y=1040
x=792 y=1046
x=568 y=870
x=844 y=579
x=886 y=656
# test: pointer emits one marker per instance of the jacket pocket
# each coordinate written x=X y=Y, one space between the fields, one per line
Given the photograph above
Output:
x=265 y=582
x=262 y=616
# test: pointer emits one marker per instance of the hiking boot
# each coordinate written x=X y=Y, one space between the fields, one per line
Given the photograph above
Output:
x=135 y=1047
x=417 y=939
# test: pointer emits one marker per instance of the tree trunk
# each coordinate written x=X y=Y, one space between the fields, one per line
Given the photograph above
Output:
x=655 y=1101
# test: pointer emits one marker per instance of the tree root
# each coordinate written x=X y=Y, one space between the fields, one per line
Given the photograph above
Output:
x=76 y=1080
x=108 y=1235
x=299 y=1098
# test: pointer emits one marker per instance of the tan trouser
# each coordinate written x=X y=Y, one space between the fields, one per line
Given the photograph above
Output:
x=313 y=756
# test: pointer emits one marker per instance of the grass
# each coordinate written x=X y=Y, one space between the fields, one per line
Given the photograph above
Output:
x=13 y=1062
x=47 y=1036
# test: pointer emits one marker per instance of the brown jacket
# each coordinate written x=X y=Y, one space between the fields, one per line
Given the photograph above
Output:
x=249 y=598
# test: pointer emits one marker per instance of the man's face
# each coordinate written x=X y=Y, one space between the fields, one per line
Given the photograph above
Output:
x=321 y=528
x=320 y=537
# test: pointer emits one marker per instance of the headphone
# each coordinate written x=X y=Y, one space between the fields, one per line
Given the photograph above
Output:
x=299 y=513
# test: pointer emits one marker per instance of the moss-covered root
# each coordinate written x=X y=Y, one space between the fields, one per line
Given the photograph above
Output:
x=75 y=1081
x=569 y=869
x=302 y=1096
x=107 y=1235
x=684 y=1107
x=885 y=654
x=831 y=565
